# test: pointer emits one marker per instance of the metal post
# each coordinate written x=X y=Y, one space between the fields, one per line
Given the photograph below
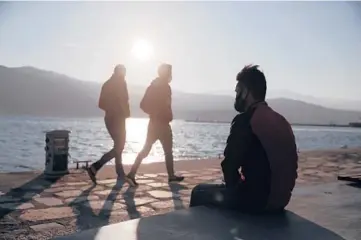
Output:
x=56 y=153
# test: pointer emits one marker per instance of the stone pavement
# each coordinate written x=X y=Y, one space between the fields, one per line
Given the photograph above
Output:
x=42 y=209
x=34 y=208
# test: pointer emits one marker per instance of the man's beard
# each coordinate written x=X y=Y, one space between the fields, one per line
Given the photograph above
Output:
x=239 y=105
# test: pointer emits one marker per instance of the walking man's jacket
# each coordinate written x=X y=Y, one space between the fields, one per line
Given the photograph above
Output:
x=114 y=98
x=157 y=101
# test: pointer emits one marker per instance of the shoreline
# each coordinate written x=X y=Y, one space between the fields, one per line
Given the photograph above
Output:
x=210 y=158
x=159 y=166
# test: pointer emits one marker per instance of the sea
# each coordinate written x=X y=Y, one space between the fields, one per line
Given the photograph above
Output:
x=22 y=140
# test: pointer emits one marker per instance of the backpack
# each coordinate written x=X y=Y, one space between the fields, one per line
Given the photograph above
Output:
x=147 y=101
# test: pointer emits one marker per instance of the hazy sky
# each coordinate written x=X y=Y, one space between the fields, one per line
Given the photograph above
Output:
x=307 y=47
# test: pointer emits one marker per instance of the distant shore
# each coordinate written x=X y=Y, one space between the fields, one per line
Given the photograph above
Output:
x=293 y=124
x=320 y=125
x=350 y=125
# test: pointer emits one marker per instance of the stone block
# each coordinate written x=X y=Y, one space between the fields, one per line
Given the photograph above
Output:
x=68 y=194
x=158 y=184
x=160 y=194
x=16 y=206
x=104 y=205
x=76 y=183
x=49 y=201
x=80 y=199
x=48 y=214
x=46 y=227
x=107 y=181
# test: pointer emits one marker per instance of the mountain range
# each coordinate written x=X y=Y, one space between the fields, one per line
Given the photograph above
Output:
x=36 y=92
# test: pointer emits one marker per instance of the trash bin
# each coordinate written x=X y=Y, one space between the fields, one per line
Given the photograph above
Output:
x=56 y=153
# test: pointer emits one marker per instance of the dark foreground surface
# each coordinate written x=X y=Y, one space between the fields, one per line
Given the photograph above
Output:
x=329 y=211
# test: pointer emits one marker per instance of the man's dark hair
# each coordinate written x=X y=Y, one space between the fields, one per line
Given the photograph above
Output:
x=119 y=67
x=254 y=80
x=164 y=68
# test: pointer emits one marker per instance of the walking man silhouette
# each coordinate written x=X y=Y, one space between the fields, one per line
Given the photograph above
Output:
x=114 y=101
x=157 y=103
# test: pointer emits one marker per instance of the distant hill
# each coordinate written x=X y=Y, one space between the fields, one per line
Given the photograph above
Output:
x=31 y=91
x=336 y=103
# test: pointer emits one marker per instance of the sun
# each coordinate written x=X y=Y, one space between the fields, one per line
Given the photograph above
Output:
x=142 y=50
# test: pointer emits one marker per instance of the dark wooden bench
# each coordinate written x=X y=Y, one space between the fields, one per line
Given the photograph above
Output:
x=202 y=223
x=77 y=162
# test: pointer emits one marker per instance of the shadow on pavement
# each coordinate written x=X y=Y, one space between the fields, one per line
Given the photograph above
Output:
x=86 y=216
x=355 y=185
x=90 y=218
x=20 y=195
x=130 y=203
x=176 y=196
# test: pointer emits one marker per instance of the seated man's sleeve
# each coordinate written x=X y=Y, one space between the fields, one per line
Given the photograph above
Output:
x=238 y=141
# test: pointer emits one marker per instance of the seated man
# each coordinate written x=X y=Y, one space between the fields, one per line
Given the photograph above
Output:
x=262 y=144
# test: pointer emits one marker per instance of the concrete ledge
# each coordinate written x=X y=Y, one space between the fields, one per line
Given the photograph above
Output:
x=327 y=211
x=204 y=224
x=335 y=206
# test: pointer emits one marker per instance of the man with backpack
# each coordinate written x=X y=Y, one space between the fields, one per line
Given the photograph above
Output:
x=157 y=103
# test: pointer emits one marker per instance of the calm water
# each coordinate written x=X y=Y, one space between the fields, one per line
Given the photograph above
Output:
x=22 y=140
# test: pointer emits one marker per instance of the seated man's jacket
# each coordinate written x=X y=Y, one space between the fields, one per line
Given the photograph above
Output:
x=262 y=144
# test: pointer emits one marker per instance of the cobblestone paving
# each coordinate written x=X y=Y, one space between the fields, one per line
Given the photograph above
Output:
x=46 y=209
x=43 y=209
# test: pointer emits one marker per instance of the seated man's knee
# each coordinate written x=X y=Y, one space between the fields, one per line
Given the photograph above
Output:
x=197 y=198
x=196 y=190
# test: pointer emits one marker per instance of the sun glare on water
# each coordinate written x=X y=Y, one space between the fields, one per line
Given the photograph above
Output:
x=142 y=50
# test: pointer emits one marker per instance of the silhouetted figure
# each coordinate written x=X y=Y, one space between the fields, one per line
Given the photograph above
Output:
x=262 y=144
x=114 y=101
x=157 y=103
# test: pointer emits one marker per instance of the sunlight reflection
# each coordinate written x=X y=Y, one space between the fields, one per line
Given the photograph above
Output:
x=136 y=136
x=110 y=232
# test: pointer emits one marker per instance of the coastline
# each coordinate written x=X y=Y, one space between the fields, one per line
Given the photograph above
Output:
x=154 y=165
x=350 y=125
x=312 y=164
x=33 y=208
